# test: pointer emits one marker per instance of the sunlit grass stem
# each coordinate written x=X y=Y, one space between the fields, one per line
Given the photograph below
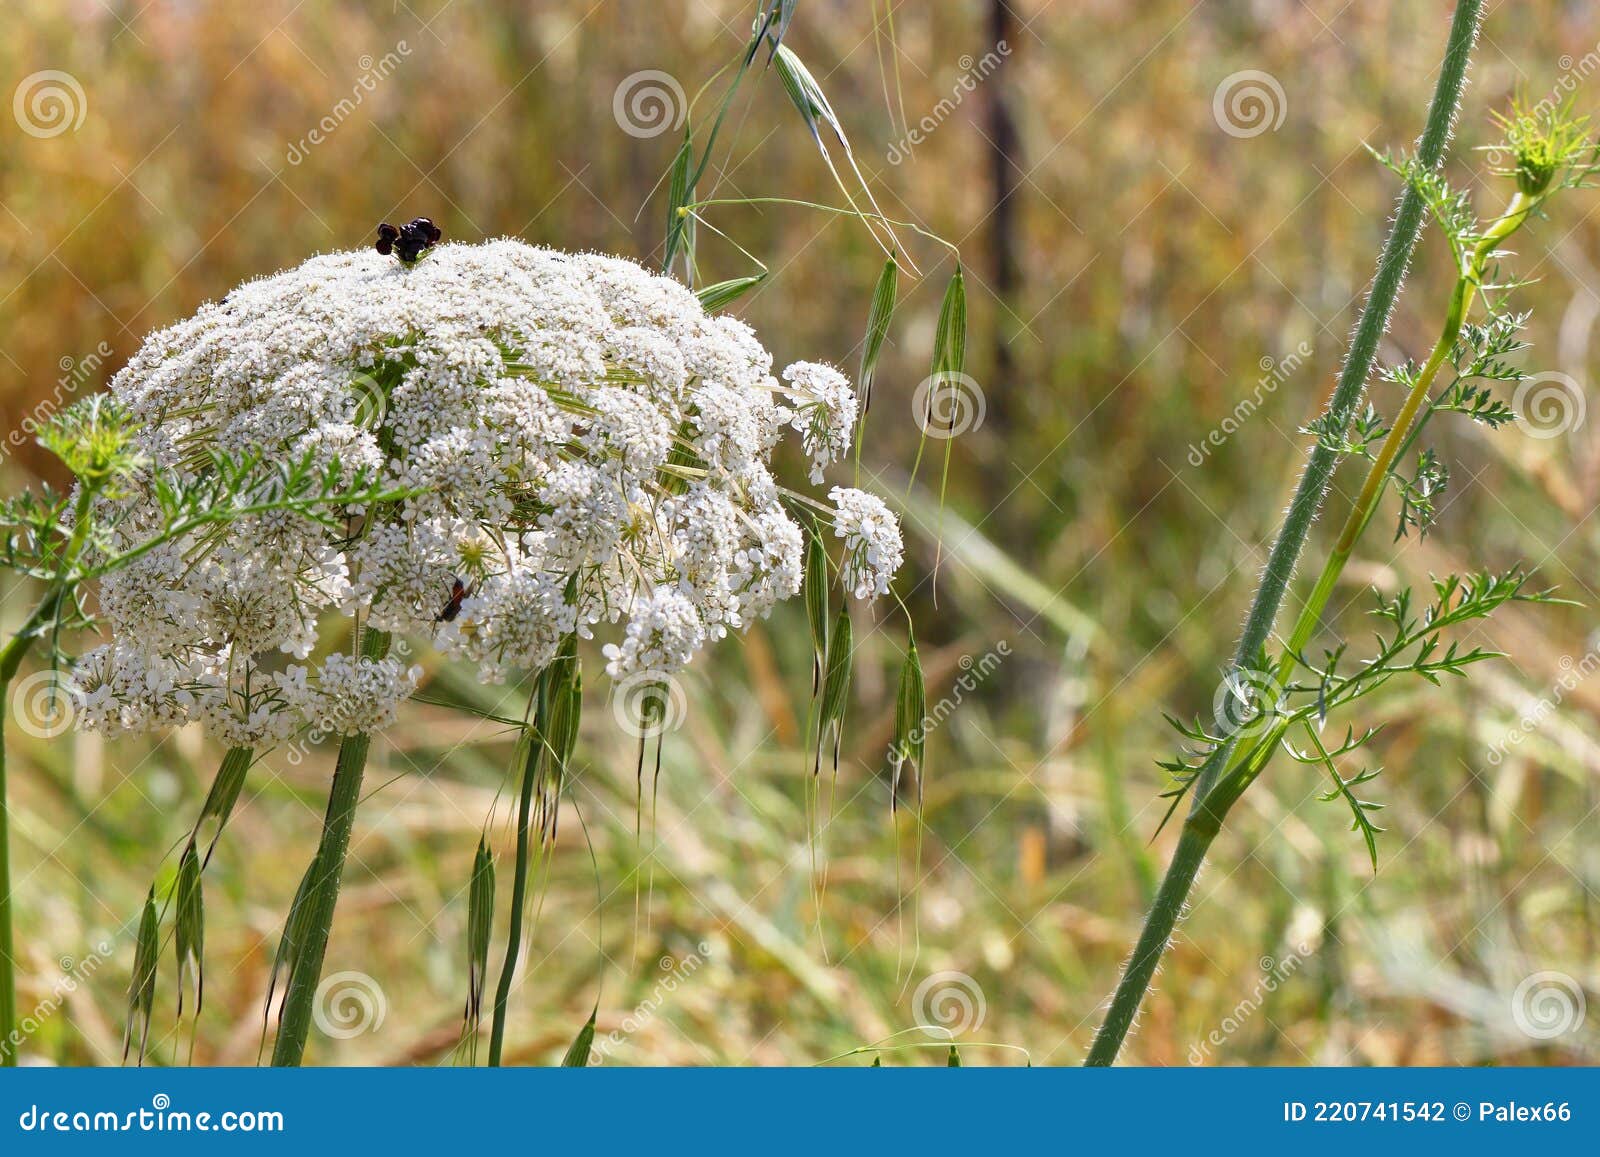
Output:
x=1400 y=433
x=519 y=900
x=295 y=1024
x=16 y=649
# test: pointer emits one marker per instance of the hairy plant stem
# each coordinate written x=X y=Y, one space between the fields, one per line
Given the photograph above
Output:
x=295 y=1024
x=1213 y=793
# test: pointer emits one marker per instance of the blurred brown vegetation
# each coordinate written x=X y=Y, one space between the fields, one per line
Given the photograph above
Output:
x=1146 y=264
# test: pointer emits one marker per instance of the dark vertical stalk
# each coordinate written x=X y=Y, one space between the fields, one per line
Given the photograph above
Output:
x=1005 y=168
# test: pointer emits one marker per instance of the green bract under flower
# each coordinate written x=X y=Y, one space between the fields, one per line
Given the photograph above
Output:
x=582 y=443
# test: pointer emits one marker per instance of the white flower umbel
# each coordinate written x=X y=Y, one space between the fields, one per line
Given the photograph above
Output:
x=582 y=444
x=873 y=550
x=825 y=412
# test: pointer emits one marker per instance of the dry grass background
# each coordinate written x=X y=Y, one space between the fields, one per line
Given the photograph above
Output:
x=1154 y=262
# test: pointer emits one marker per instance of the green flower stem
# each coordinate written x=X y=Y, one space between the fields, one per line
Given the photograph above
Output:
x=1400 y=433
x=519 y=893
x=298 y=1002
x=1213 y=793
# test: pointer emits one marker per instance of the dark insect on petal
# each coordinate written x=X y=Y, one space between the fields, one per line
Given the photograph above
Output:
x=458 y=593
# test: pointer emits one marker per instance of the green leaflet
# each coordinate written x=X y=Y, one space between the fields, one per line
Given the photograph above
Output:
x=949 y=358
x=680 y=192
x=190 y=937
x=716 y=296
x=771 y=26
x=950 y=337
x=561 y=708
x=815 y=589
x=294 y=932
x=480 y=921
x=577 y=1054
x=806 y=95
x=910 y=737
x=142 y=985
x=878 y=318
x=836 y=688
x=544 y=750
x=225 y=789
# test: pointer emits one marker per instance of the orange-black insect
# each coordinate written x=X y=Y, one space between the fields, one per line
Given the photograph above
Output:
x=458 y=594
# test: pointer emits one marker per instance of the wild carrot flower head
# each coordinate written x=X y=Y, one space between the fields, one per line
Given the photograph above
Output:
x=580 y=443
x=1546 y=141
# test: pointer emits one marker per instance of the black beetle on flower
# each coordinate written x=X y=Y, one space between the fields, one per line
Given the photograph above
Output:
x=410 y=241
